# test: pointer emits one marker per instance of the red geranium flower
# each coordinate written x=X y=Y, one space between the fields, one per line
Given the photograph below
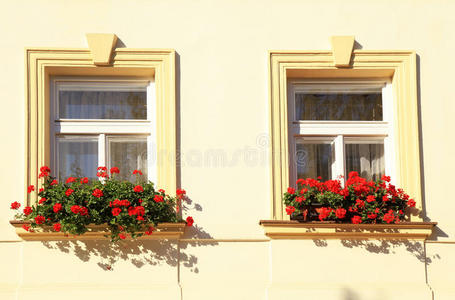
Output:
x=57 y=207
x=30 y=188
x=162 y=191
x=411 y=203
x=122 y=236
x=138 y=189
x=70 y=180
x=54 y=182
x=137 y=172
x=83 y=211
x=158 y=198
x=300 y=199
x=75 y=209
x=180 y=193
x=26 y=227
x=140 y=210
x=356 y=220
x=291 y=190
x=340 y=213
x=97 y=193
x=189 y=221
x=57 y=226
x=101 y=169
x=151 y=229
x=115 y=170
x=45 y=169
x=84 y=180
x=324 y=213
x=69 y=192
x=27 y=210
x=389 y=217
x=385 y=178
x=15 y=205
x=116 y=211
x=372 y=216
x=40 y=219
x=290 y=210
x=370 y=198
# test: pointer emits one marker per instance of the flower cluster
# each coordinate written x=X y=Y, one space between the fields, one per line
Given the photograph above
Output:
x=127 y=209
x=357 y=201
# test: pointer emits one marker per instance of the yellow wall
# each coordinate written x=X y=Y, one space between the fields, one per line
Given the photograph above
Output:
x=223 y=110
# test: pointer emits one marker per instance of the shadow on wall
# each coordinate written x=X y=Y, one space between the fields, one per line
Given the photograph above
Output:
x=382 y=246
x=139 y=253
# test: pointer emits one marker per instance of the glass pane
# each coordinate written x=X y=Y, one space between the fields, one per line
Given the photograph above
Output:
x=339 y=106
x=103 y=104
x=366 y=159
x=77 y=157
x=313 y=160
x=128 y=154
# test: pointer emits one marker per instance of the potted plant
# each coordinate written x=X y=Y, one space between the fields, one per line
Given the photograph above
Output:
x=357 y=201
x=126 y=209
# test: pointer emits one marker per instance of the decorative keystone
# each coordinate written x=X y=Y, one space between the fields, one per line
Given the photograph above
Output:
x=342 y=50
x=101 y=46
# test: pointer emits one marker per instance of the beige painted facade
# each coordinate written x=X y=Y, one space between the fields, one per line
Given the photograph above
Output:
x=222 y=54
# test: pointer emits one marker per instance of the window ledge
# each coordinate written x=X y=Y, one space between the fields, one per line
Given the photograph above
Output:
x=328 y=230
x=96 y=232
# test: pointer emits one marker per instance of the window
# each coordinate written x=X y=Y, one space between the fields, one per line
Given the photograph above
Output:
x=331 y=139
x=339 y=126
x=103 y=64
x=102 y=122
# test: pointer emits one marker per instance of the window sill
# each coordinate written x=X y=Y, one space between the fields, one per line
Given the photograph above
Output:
x=327 y=230
x=96 y=232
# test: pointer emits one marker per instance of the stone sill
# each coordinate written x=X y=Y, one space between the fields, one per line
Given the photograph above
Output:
x=330 y=230
x=96 y=232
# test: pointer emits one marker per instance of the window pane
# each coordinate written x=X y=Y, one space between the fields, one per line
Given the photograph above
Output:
x=339 y=106
x=128 y=154
x=313 y=160
x=77 y=157
x=366 y=159
x=103 y=104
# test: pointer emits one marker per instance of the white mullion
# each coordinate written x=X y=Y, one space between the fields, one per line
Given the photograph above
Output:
x=102 y=150
x=152 y=155
x=339 y=156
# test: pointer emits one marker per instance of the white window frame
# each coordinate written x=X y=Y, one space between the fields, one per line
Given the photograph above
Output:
x=104 y=128
x=340 y=132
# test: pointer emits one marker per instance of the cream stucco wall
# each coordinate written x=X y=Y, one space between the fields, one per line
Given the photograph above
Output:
x=223 y=110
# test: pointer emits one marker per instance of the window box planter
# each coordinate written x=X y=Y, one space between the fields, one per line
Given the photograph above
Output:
x=330 y=230
x=95 y=232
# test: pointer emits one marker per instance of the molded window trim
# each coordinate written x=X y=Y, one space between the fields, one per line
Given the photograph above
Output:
x=398 y=65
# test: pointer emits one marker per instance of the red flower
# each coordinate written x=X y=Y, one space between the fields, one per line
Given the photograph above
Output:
x=356 y=220
x=300 y=199
x=158 y=198
x=162 y=191
x=290 y=210
x=83 y=211
x=389 y=217
x=115 y=170
x=140 y=210
x=353 y=174
x=101 y=169
x=189 y=221
x=303 y=191
x=69 y=192
x=140 y=218
x=138 y=189
x=57 y=226
x=385 y=178
x=15 y=205
x=411 y=203
x=26 y=227
x=116 y=211
x=372 y=216
x=324 y=212
x=30 y=188
x=40 y=219
x=385 y=198
x=122 y=236
x=97 y=193
x=180 y=193
x=360 y=203
x=102 y=174
x=54 y=182
x=137 y=172
x=84 y=180
x=27 y=210
x=151 y=229
x=371 y=198
x=75 y=209
x=340 y=213
x=57 y=207
x=70 y=180
x=41 y=190
x=131 y=210
x=45 y=169
x=300 y=181
x=291 y=190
